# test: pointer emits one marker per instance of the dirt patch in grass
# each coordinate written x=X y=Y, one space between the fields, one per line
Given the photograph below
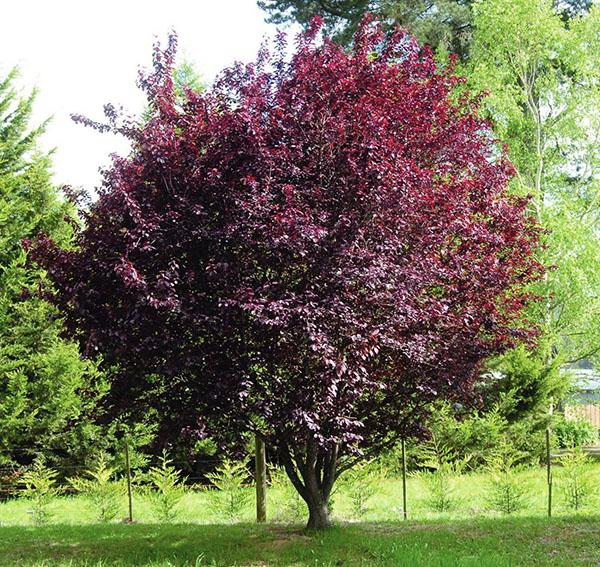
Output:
x=558 y=534
x=403 y=528
x=281 y=536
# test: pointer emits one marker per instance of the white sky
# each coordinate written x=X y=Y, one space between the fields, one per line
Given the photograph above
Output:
x=82 y=54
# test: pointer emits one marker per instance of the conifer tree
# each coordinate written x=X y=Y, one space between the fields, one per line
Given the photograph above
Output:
x=42 y=378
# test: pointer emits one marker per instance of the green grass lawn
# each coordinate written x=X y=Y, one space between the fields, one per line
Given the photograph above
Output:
x=471 y=533
x=478 y=542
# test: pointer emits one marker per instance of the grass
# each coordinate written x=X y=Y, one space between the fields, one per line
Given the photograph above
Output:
x=482 y=542
x=469 y=534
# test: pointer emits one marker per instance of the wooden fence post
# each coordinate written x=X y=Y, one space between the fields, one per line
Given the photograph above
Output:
x=260 y=472
x=549 y=471
x=128 y=467
x=549 y=462
x=404 y=512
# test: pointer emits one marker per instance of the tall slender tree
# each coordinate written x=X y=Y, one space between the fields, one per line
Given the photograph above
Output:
x=543 y=77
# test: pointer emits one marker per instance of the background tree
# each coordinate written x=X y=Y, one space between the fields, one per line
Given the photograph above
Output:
x=185 y=77
x=446 y=25
x=443 y=24
x=45 y=388
x=569 y=9
x=311 y=250
x=543 y=79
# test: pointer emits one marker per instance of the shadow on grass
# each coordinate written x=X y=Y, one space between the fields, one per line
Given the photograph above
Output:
x=475 y=542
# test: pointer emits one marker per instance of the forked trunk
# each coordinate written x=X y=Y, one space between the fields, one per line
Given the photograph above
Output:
x=313 y=472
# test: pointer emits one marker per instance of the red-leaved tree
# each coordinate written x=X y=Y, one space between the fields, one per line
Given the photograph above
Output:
x=313 y=250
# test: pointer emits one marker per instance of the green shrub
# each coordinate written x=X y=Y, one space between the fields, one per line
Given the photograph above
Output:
x=527 y=436
x=41 y=489
x=167 y=489
x=291 y=505
x=575 y=481
x=443 y=464
x=106 y=495
x=473 y=437
x=231 y=496
x=522 y=382
x=574 y=432
x=467 y=438
x=360 y=484
x=440 y=489
x=506 y=491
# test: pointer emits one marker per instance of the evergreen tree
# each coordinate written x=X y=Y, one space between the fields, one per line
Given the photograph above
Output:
x=45 y=388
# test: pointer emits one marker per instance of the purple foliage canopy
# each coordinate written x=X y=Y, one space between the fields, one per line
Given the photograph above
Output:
x=313 y=249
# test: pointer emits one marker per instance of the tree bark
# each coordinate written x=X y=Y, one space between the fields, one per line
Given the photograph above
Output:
x=318 y=514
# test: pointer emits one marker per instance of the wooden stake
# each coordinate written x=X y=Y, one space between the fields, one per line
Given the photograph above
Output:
x=404 y=480
x=260 y=461
x=549 y=471
x=549 y=462
x=129 y=495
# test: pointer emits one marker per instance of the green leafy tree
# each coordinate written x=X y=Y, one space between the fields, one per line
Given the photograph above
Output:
x=45 y=387
x=542 y=75
x=443 y=464
x=522 y=382
x=574 y=432
x=186 y=77
x=446 y=25
x=465 y=439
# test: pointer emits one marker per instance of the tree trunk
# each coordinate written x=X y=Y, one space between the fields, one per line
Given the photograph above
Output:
x=318 y=514
x=313 y=472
